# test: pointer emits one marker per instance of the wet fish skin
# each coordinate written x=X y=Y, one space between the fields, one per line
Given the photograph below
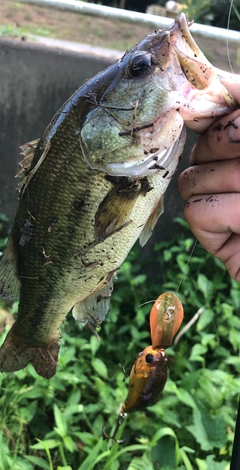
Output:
x=95 y=185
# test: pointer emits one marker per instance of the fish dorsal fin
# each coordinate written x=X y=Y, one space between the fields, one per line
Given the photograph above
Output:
x=151 y=222
x=92 y=310
x=9 y=280
x=28 y=151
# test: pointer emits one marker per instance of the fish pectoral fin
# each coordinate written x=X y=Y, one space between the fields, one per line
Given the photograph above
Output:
x=114 y=211
x=93 y=309
x=151 y=222
x=15 y=354
x=9 y=280
x=28 y=151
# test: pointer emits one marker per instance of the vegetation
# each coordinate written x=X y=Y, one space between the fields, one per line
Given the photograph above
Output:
x=57 y=424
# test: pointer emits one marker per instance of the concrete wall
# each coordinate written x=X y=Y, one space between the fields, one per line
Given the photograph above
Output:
x=35 y=80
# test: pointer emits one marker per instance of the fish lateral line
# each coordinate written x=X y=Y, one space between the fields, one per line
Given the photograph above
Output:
x=95 y=102
x=97 y=242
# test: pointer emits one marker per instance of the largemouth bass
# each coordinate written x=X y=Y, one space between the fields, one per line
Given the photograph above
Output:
x=94 y=183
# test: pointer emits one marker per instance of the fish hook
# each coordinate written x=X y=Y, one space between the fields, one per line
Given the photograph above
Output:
x=121 y=418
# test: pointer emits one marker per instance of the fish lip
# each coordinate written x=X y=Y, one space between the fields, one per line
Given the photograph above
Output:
x=192 y=61
x=181 y=23
x=196 y=79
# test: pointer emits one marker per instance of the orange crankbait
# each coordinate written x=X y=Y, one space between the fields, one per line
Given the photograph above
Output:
x=149 y=372
x=147 y=379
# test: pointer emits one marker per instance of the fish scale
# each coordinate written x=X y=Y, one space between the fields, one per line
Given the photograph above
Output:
x=94 y=183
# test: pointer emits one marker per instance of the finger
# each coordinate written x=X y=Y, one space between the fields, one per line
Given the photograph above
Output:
x=221 y=141
x=215 y=177
x=214 y=220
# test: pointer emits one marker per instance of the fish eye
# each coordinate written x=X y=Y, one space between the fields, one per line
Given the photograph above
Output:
x=140 y=64
x=149 y=358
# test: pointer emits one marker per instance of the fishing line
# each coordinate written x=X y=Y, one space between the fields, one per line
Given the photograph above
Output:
x=184 y=274
x=228 y=27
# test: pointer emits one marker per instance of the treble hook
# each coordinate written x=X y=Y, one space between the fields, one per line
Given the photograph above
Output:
x=121 y=418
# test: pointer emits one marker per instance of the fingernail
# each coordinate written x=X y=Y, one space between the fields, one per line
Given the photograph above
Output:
x=234 y=130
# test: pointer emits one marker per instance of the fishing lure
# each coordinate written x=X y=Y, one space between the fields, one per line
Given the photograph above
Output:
x=149 y=372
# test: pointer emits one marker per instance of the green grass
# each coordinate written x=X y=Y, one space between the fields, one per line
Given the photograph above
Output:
x=11 y=30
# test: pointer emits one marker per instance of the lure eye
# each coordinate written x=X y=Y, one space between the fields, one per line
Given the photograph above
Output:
x=140 y=64
x=149 y=358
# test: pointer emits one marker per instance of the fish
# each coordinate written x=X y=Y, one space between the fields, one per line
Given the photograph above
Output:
x=149 y=372
x=93 y=184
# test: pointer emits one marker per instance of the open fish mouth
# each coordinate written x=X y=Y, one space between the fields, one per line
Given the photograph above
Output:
x=198 y=80
x=166 y=83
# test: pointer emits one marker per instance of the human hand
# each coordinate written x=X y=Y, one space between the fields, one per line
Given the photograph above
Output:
x=211 y=188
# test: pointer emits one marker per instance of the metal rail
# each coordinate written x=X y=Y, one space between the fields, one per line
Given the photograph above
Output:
x=134 y=17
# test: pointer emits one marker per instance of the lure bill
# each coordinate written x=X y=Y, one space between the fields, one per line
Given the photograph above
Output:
x=94 y=183
x=165 y=320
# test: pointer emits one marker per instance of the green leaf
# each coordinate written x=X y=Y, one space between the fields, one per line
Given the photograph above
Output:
x=197 y=352
x=205 y=285
x=47 y=443
x=69 y=443
x=140 y=279
x=89 y=462
x=140 y=463
x=66 y=467
x=100 y=367
x=185 y=459
x=205 y=318
x=199 y=432
x=165 y=452
x=209 y=339
x=185 y=397
x=125 y=450
x=209 y=432
x=60 y=421
x=211 y=464
x=38 y=461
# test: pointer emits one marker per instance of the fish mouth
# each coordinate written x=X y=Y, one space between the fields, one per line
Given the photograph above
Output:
x=194 y=64
x=160 y=141
x=196 y=79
